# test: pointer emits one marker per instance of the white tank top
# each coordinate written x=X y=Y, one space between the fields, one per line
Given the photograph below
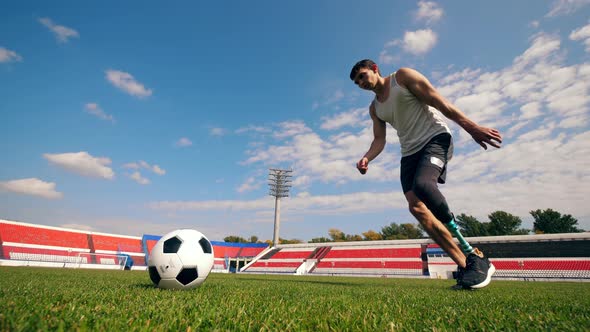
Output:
x=415 y=122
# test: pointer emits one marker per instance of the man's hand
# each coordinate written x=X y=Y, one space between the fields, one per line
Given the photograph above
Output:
x=483 y=135
x=363 y=165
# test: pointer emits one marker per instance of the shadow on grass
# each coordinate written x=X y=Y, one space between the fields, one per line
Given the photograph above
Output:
x=143 y=285
x=304 y=281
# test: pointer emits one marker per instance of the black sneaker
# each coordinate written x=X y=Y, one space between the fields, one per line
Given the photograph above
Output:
x=460 y=273
x=478 y=272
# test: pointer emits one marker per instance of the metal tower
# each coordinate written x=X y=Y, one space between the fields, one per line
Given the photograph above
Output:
x=279 y=182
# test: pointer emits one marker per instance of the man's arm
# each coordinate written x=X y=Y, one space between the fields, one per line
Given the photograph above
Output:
x=378 y=143
x=420 y=87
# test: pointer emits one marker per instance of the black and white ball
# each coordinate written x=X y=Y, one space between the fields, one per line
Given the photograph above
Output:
x=181 y=259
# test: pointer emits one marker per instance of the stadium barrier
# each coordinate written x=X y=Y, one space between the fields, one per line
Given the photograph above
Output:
x=38 y=245
x=401 y=258
x=519 y=257
x=528 y=257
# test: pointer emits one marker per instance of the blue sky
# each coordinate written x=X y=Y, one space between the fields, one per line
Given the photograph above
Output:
x=138 y=117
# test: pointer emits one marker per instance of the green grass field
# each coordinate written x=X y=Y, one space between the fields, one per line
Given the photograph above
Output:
x=34 y=299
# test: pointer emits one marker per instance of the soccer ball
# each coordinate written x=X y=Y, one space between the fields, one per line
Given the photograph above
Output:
x=181 y=259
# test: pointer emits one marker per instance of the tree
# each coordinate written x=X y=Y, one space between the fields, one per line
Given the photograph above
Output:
x=411 y=231
x=371 y=235
x=253 y=239
x=353 y=237
x=291 y=241
x=320 y=240
x=550 y=221
x=470 y=226
x=504 y=223
x=336 y=235
x=399 y=232
x=235 y=239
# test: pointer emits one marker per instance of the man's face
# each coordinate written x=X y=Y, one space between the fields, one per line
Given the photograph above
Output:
x=366 y=79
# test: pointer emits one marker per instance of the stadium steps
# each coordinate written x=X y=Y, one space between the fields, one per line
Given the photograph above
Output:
x=269 y=254
x=318 y=254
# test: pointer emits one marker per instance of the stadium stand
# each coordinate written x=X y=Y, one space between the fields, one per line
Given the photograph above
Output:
x=281 y=260
x=230 y=257
x=382 y=260
x=21 y=241
x=102 y=243
x=532 y=257
x=376 y=258
x=38 y=243
x=21 y=233
x=541 y=256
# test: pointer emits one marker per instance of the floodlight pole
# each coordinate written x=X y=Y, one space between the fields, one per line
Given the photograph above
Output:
x=275 y=236
x=279 y=184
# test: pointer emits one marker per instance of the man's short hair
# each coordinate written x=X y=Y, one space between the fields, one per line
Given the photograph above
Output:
x=366 y=63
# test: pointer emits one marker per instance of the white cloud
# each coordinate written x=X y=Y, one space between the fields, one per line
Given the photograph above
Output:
x=183 y=142
x=94 y=109
x=542 y=46
x=429 y=12
x=127 y=83
x=531 y=110
x=7 y=55
x=156 y=169
x=328 y=160
x=336 y=96
x=349 y=118
x=304 y=203
x=142 y=164
x=465 y=75
x=331 y=99
x=249 y=185
x=419 y=42
x=83 y=164
x=482 y=106
x=566 y=7
x=262 y=203
x=526 y=174
x=582 y=34
x=253 y=129
x=217 y=131
x=386 y=58
x=291 y=128
x=138 y=178
x=131 y=165
x=62 y=33
x=31 y=187
x=576 y=121
x=301 y=182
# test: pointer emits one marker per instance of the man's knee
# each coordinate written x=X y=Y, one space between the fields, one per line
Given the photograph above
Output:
x=417 y=208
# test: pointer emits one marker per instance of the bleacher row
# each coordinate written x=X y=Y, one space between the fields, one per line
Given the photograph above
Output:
x=392 y=259
x=22 y=241
x=533 y=256
x=516 y=257
x=29 y=242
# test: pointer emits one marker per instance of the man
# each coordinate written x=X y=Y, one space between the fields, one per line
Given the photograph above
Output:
x=402 y=99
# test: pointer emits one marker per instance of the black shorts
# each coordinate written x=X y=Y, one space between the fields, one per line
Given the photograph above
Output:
x=436 y=153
